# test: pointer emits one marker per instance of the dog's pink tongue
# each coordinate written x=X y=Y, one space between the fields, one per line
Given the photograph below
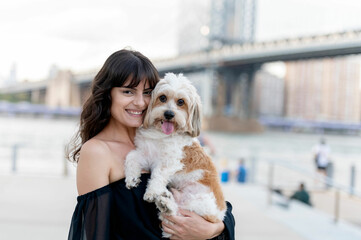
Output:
x=167 y=127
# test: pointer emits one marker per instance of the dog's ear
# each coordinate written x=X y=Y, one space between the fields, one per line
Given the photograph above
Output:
x=195 y=117
x=146 y=121
x=146 y=118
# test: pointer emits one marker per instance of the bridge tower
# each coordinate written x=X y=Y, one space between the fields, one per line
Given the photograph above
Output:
x=206 y=24
x=232 y=21
x=62 y=91
x=226 y=91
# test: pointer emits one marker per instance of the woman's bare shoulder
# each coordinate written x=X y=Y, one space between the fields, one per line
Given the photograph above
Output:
x=94 y=146
x=94 y=166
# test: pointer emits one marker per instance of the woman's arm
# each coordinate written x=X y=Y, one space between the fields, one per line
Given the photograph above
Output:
x=192 y=226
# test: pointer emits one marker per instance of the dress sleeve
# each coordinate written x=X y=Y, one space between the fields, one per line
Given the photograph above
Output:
x=229 y=224
x=91 y=218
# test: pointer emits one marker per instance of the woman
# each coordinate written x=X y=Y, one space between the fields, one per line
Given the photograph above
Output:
x=106 y=209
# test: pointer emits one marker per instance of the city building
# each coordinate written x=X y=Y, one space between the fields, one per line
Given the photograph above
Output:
x=324 y=90
x=268 y=94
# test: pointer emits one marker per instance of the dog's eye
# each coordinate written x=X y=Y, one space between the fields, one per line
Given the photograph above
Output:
x=180 y=102
x=163 y=98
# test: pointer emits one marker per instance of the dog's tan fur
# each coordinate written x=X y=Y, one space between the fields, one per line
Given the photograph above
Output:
x=195 y=158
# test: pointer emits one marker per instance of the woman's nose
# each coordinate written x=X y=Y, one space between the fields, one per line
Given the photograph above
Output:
x=139 y=100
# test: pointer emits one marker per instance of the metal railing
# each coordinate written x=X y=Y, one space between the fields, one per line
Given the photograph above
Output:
x=327 y=181
x=17 y=161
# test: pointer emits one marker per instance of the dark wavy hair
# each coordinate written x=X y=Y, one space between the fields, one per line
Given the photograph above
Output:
x=117 y=69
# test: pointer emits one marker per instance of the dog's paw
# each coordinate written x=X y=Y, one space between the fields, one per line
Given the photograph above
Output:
x=162 y=206
x=149 y=196
x=132 y=182
x=166 y=204
x=166 y=195
x=166 y=235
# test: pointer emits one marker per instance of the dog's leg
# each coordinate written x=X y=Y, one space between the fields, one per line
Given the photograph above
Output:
x=157 y=189
x=133 y=169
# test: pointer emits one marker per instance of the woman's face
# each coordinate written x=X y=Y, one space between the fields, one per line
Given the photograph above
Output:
x=129 y=105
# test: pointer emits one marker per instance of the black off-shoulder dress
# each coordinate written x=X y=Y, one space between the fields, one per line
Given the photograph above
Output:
x=114 y=212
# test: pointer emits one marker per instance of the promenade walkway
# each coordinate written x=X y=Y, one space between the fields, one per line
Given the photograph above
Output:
x=37 y=208
x=257 y=220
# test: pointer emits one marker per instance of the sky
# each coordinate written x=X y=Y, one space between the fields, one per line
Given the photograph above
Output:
x=290 y=18
x=80 y=34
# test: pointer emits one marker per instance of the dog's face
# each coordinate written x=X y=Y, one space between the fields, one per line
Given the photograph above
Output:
x=174 y=107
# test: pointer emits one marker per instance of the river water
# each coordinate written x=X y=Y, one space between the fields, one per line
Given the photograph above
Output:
x=41 y=143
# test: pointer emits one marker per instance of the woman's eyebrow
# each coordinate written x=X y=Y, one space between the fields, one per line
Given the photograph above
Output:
x=128 y=87
x=133 y=88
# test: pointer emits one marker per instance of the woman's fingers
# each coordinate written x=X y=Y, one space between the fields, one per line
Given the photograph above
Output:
x=177 y=220
x=167 y=228
x=186 y=213
x=171 y=228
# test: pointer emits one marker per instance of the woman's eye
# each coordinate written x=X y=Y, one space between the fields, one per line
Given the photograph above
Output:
x=180 y=102
x=127 y=92
x=163 y=98
x=147 y=93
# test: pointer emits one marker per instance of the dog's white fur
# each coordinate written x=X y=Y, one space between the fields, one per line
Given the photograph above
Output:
x=175 y=158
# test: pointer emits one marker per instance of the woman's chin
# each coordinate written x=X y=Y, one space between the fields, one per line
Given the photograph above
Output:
x=135 y=124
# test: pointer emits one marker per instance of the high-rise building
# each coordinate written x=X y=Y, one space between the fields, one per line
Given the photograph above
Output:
x=12 y=77
x=324 y=90
x=268 y=94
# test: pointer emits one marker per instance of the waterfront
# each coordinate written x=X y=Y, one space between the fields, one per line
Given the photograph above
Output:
x=38 y=199
x=40 y=144
x=40 y=149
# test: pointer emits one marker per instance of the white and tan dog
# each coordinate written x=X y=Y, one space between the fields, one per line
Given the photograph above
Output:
x=167 y=146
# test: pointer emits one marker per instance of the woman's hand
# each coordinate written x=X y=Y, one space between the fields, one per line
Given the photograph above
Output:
x=191 y=226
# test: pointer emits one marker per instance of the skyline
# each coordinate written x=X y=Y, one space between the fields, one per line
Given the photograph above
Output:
x=79 y=35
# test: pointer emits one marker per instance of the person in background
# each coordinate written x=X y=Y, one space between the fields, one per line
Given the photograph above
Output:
x=321 y=154
x=301 y=195
x=224 y=170
x=241 y=171
x=106 y=209
x=206 y=143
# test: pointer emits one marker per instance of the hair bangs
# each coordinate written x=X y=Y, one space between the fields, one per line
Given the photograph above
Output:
x=150 y=74
x=135 y=72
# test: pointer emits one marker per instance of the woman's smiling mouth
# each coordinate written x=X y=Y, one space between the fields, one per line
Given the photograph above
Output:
x=135 y=113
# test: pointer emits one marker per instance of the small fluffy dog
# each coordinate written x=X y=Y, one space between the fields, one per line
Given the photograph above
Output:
x=167 y=146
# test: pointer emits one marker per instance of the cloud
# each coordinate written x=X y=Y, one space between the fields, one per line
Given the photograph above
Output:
x=81 y=34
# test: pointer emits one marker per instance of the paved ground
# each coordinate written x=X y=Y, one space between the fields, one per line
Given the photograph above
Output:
x=251 y=221
x=258 y=220
x=37 y=208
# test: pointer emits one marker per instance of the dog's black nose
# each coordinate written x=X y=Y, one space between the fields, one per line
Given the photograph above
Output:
x=169 y=115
